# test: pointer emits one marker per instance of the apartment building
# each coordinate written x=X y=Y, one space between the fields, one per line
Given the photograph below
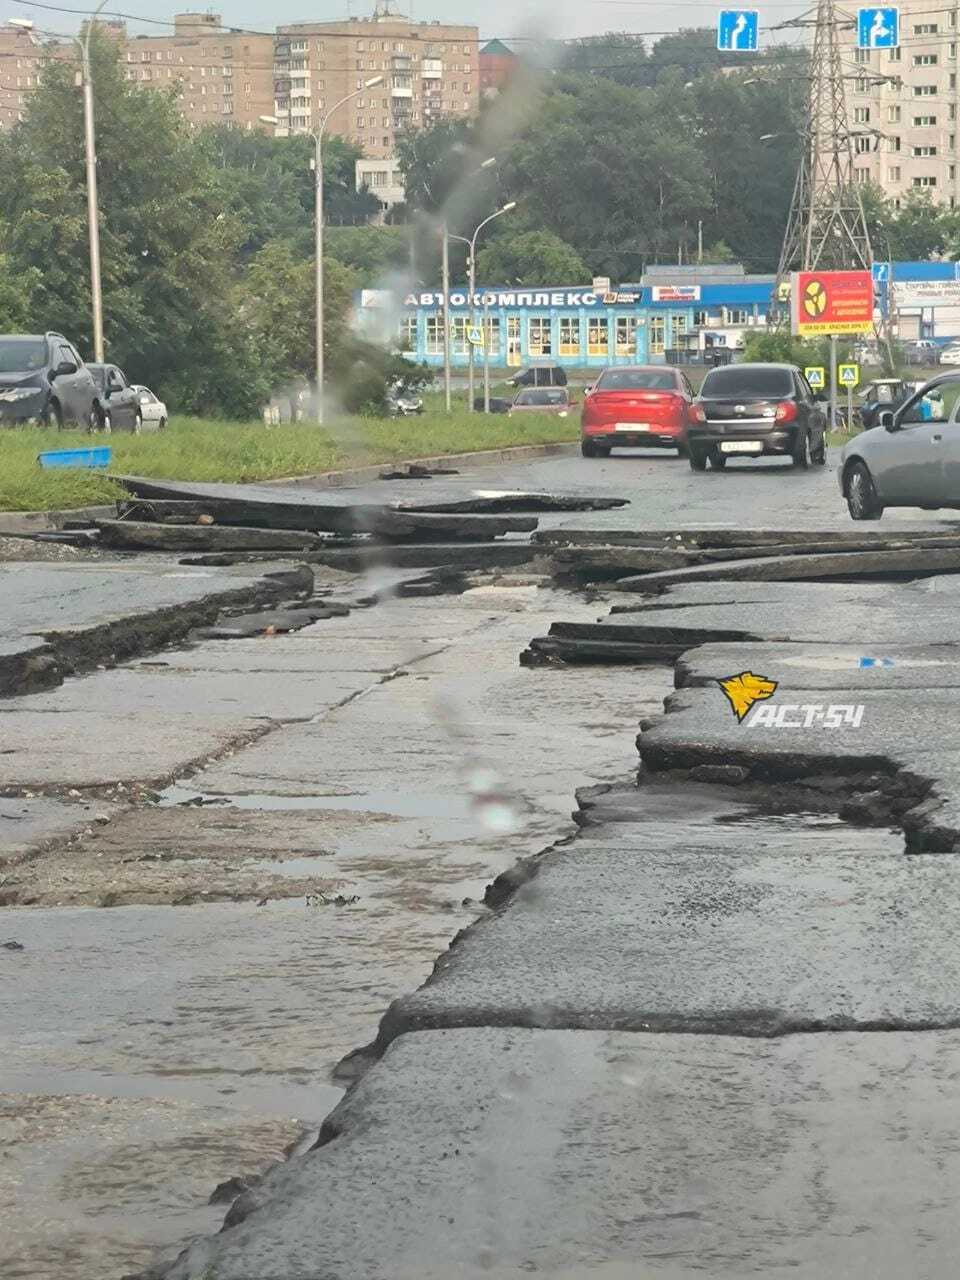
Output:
x=429 y=70
x=902 y=105
x=21 y=59
x=224 y=76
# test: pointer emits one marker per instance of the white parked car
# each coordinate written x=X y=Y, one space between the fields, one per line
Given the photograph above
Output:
x=950 y=355
x=152 y=410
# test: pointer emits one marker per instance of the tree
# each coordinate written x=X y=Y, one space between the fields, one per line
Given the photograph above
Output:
x=530 y=258
x=373 y=253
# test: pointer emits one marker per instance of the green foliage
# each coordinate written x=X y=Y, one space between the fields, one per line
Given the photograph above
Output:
x=779 y=347
x=530 y=258
x=372 y=253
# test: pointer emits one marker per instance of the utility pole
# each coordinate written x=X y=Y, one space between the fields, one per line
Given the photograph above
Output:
x=93 y=206
x=446 y=316
x=827 y=227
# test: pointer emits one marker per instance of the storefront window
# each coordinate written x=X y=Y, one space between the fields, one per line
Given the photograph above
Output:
x=538 y=336
x=434 y=335
x=492 y=325
x=458 y=335
x=656 y=335
x=569 y=335
x=598 y=340
x=408 y=333
x=626 y=335
x=679 y=326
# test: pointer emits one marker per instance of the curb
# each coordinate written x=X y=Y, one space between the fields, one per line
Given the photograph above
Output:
x=23 y=522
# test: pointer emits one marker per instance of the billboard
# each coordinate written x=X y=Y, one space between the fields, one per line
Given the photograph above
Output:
x=675 y=293
x=831 y=302
x=926 y=293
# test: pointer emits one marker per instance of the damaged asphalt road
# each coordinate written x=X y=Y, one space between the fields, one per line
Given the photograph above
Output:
x=710 y=1027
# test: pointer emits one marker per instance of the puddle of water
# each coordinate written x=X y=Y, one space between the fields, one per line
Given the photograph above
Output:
x=416 y=804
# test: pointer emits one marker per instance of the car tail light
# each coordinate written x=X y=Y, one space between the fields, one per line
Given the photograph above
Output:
x=697 y=413
x=786 y=411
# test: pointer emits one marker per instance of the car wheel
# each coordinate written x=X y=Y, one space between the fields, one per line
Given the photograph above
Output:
x=718 y=460
x=137 y=423
x=102 y=418
x=588 y=448
x=819 y=457
x=862 y=500
x=697 y=460
x=800 y=456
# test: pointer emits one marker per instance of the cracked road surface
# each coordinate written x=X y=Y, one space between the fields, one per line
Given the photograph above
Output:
x=220 y=800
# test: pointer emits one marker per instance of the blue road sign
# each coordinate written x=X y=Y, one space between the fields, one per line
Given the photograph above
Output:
x=881 y=283
x=737 y=30
x=878 y=28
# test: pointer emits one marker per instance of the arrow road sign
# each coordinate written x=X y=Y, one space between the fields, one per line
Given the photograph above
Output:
x=878 y=28
x=737 y=30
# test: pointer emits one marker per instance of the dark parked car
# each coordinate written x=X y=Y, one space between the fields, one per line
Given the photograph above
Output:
x=121 y=400
x=540 y=375
x=753 y=411
x=44 y=380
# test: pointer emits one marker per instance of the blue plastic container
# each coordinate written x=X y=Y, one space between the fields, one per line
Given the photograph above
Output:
x=99 y=457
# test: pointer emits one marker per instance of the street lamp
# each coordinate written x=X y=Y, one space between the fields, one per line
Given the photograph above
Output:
x=445 y=284
x=318 y=227
x=90 y=151
x=472 y=242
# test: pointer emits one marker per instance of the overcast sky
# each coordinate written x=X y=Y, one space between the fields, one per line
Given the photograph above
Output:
x=504 y=18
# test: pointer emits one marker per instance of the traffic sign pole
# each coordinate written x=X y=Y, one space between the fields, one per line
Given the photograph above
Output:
x=849 y=407
x=833 y=382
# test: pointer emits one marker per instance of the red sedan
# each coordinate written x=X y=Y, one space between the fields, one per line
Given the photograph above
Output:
x=631 y=405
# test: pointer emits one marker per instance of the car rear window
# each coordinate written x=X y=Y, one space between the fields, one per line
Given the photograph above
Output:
x=636 y=380
x=542 y=395
x=746 y=382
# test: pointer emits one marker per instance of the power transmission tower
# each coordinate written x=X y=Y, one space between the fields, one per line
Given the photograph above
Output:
x=827 y=227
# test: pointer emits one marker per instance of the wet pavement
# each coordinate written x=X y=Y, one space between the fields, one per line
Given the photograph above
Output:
x=222 y=864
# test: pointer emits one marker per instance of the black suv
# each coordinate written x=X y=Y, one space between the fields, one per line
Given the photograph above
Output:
x=43 y=379
x=755 y=410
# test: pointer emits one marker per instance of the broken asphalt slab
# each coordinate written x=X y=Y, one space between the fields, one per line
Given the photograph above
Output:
x=742 y=929
x=583 y=1155
x=822 y=667
x=458 y=513
x=63 y=618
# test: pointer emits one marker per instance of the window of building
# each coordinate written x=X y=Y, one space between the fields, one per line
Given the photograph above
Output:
x=408 y=333
x=862 y=85
x=598 y=336
x=924 y=151
x=862 y=145
x=953 y=79
x=951 y=142
x=952 y=19
x=861 y=115
x=434 y=335
x=626 y=335
x=922 y=122
x=925 y=29
x=952 y=112
x=952 y=52
x=492 y=335
x=734 y=315
x=924 y=182
x=893 y=173
x=458 y=335
x=656 y=335
x=924 y=90
x=538 y=336
x=925 y=59
x=678 y=324
x=298 y=46
x=893 y=55
x=569 y=335
x=861 y=56
x=894 y=143
x=952 y=172
x=893 y=115
x=359 y=46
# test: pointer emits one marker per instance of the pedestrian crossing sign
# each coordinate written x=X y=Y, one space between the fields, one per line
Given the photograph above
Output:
x=475 y=337
x=849 y=375
x=816 y=375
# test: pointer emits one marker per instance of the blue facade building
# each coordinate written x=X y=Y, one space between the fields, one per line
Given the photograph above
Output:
x=681 y=314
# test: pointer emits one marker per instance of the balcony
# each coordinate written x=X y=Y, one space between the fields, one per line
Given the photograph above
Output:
x=401 y=91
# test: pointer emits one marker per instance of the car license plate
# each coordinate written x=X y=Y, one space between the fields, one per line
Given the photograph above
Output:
x=632 y=426
x=741 y=446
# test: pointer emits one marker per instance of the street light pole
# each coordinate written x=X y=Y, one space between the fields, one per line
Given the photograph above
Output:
x=446 y=317
x=93 y=207
x=318 y=230
x=472 y=242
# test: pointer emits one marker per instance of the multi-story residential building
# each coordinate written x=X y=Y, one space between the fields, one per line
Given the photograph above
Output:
x=21 y=59
x=498 y=63
x=429 y=70
x=224 y=76
x=902 y=105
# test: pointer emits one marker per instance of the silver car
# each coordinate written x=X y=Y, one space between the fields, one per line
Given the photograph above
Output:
x=911 y=458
